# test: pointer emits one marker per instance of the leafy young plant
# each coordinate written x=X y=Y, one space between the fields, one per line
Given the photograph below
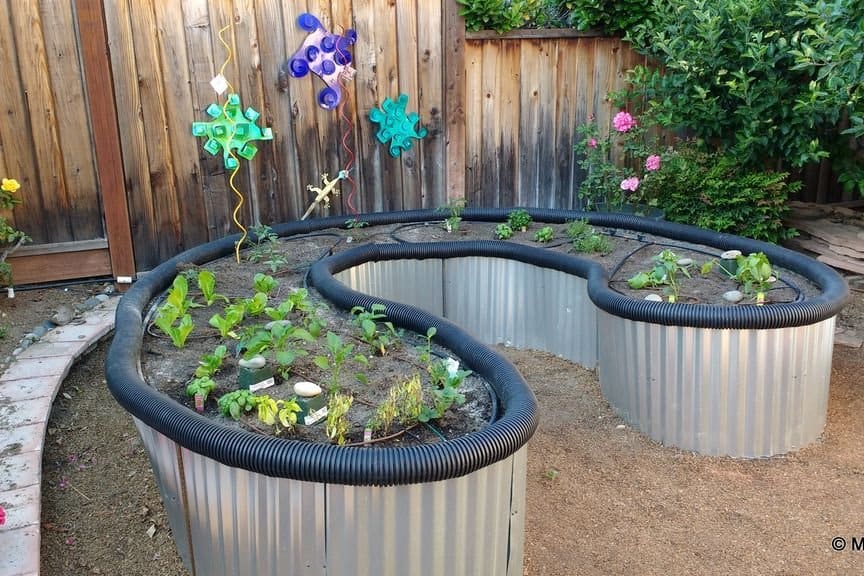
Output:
x=519 y=219
x=337 y=417
x=426 y=351
x=667 y=270
x=166 y=317
x=206 y=281
x=338 y=352
x=266 y=248
x=271 y=411
x=379 y=336
x=503 y=231
x=454 y=208
x=586 y=239
x=210 y=363
x=404 y=404
x=755 y=275
x=282 y=341
x=200 y=388
x=544 y=235
x=264 y=283
x=236 y=403
x=234 y=314
x=446 y=378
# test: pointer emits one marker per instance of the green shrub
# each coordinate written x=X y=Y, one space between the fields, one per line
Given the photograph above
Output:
x=613 y=18
x=712 y=190
x=499 y=15
x=770 y=81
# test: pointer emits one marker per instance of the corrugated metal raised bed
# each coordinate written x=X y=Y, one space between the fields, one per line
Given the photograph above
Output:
x=748 y=381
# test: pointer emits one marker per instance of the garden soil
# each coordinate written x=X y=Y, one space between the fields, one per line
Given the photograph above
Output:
x=601 y=498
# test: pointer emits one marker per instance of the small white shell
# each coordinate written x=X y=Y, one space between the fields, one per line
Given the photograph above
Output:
x=306 y=389
x=654 y=298
x=733 y=296
x=685 y=261
x=730 y=254
x=254 y=363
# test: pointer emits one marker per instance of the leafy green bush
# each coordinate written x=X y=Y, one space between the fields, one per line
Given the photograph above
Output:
x=613 y=18
x=771 y=82
x=712 y=190
x=498 y=15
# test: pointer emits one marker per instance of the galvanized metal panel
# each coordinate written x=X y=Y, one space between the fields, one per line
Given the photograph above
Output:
x=522 y=305
x=459 y=527
x=414 y=282
x=163 y=453
x=745 y=393
x=247 y=523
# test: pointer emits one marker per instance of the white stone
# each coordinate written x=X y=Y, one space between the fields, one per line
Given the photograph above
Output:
x=685 y=261
x=654 y=298
x=254 y=363
x=733 y=296
x=306 y=389
x=730 y=254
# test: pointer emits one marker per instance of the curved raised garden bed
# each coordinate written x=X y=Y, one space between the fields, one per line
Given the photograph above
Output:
x=743 y=381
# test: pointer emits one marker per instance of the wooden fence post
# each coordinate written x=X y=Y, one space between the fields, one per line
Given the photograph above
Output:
x=106 y=136
x=454 y=99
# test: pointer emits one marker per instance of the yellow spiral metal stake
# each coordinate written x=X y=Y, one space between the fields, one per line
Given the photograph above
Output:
x=240 y=198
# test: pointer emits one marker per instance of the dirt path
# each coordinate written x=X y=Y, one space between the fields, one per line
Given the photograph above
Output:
x=601 y=498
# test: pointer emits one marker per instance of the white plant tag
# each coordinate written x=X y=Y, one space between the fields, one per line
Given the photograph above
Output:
x=315 y=416
x=262 y=385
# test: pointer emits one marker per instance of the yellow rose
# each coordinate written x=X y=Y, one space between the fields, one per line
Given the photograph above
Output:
x=10 y=185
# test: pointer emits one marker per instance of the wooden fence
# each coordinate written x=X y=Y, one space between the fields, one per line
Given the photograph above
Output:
x=102 y=95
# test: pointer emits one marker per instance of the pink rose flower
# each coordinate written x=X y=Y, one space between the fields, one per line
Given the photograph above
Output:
x=2 y=516
x=652 y=163
x=630 y=184
x=623 y=122
x=592 y=143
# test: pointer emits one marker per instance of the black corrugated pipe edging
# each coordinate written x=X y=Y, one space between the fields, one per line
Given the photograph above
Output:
x=319 y=463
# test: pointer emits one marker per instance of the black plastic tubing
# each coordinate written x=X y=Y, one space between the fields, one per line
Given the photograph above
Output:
x=517 y=419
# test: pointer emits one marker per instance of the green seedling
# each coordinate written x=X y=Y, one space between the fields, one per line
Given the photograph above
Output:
x=297 y=300
x=266 y=249
x=586 y=239
x=264 y=283
x=210 y=364
x=200 y=389
x=544 y=235
x=379 y=336
x=454 y=208
x=236 y=403
x=234 y=314
x=503 y=231
x=281 y=341
x=337 y=417
x=338 y=353
x=668 y=269
x=447 y=378
x=207 y=284
x=271 y=411
x=178 y=295
x=166 y=317
x=426 y=351
x=519 y=220
x=755 y=275
x=256 y=305
x=355 y=223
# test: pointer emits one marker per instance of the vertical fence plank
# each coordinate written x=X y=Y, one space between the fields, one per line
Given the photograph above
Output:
x=181 y=145
x=371 y=156
x=16 y=137
x=135 y=160
x=279 y=199
x=454 y=97
x=42 y=120
x=473 y=127
x=386 y=70
x=73 y=124
x=509 y=79
x=406 y=47
x=430 y=103
x=490 y=100
x=151 y=85
x=106 y=135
